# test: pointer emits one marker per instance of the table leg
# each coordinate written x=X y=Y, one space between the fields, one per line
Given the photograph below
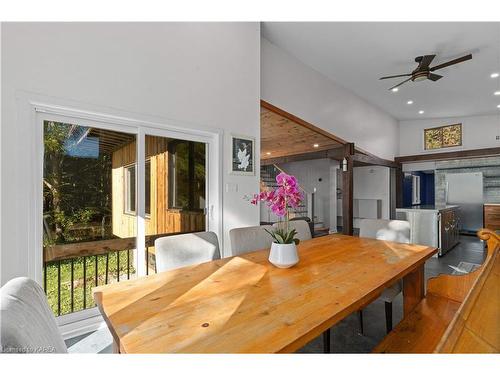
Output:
x=116 y=347
x=326 y=341
x=413 y=289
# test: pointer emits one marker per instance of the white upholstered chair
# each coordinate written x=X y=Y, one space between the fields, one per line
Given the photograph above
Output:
x=247 y=239
x=301 y=226
x=387 y=230
x=27 y=324
x=185 y=249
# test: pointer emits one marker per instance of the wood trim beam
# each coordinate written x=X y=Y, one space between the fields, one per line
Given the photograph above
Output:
x=478 y=153
x=100 y=247
x=374 y=160
x=336 y=153
x=399 y=187
x=299 y=121
x=347 y=190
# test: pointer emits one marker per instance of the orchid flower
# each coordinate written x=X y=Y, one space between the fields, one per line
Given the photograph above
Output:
x=286 y=196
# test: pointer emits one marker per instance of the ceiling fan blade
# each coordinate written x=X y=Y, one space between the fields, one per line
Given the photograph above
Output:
x=452 y=62
x=425 y=62
x=399 y=84
x=434 y=77
x=399 y=75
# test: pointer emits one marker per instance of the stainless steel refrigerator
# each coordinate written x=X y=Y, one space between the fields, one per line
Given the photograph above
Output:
x=466 y=190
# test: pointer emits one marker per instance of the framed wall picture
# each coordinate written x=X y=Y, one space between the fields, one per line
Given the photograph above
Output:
x=242 y=155
x=443 y=136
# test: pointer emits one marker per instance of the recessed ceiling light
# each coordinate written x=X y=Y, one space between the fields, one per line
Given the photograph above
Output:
x=268 y=153
x=494 y=75
x=409 y=102
x=498 y=106
x=395 y=89
x=420 y=112
x=496 y=93
x=315 y=145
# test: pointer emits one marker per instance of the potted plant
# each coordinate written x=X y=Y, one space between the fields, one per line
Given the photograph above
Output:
x=280 y=201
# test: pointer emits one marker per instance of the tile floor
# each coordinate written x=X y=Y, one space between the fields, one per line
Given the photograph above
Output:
x=345 y=335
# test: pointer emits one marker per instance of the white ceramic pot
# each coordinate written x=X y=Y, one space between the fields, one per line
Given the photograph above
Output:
x=283 y=255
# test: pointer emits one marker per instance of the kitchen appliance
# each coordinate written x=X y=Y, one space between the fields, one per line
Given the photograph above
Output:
x=466 y=191
x=435 y=226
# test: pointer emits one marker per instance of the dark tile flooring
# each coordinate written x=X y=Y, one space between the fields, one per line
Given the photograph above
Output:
x=345 y=336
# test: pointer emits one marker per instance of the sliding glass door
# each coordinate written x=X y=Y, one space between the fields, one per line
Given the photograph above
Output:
x=107 y=195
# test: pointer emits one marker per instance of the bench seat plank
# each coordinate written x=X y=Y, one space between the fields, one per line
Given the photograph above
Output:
x=484 y=319
x=458 y=315
x=477 y=327
x=469 y=343
x=422 y=329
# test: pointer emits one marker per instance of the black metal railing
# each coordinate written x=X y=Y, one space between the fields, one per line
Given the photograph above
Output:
x=268 y=175
x=70 y=271
x=68 y=283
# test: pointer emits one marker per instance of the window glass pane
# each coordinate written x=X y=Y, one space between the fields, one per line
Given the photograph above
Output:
x=84 y=169
x=452 y=135
x=443 y=136
x=176 y=172
x=187 y=169
x=130 y=190
x=432 y=139
x=148 y=187
x=181 y=177
x=199 y=176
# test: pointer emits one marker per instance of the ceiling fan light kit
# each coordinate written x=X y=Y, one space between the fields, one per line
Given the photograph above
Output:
x=424 y=71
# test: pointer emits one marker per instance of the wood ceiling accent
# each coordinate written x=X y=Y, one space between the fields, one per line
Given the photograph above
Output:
x=281 y=136
x=110 y=140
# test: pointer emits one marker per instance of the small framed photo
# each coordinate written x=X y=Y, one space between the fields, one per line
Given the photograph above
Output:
x=242 y=155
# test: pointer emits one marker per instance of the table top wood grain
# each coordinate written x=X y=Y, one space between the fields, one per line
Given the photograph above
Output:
x=244 y=304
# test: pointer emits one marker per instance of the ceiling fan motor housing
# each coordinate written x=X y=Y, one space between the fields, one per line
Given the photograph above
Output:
x=420 y=76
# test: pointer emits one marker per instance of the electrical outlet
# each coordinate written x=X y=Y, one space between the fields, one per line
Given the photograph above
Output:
x=498 y=137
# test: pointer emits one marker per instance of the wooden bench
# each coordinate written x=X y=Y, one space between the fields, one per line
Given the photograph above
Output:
x=460 y=313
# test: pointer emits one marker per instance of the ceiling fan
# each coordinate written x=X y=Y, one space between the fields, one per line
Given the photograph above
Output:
x=424 y=71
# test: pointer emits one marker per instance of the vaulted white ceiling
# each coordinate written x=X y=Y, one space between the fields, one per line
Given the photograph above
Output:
x=356 y=55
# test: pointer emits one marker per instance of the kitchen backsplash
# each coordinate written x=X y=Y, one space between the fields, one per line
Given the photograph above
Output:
x=491 y=172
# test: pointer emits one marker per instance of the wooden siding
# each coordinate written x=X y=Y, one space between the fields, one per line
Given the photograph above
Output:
x=161 y=219
x=124 y=225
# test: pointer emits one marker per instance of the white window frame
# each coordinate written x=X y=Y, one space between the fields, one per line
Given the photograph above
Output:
x=126 y=190
x=415 y=180
x=41 y=108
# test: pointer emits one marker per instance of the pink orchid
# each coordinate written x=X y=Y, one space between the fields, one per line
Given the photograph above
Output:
x=287 y=195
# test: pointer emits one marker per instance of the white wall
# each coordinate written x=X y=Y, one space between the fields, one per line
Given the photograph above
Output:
x=202 y=74
x=373 y=183
x=297 y=88
x=308 y=173
x=477 y=132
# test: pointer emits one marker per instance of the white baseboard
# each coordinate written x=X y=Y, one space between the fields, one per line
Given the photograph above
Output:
x=70 y=328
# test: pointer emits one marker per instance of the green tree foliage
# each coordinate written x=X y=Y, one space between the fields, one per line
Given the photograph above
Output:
x=77 y=189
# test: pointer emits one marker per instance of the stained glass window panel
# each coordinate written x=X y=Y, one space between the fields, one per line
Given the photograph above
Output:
x=443 y=136
x=452 y=135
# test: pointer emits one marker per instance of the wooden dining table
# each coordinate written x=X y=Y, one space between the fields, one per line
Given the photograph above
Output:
x=244 y=304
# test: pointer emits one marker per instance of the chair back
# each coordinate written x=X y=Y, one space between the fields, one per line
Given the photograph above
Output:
x=388 y=230
x=301 y=226
x=245 y=240
x=27 y=324
x=185 y=250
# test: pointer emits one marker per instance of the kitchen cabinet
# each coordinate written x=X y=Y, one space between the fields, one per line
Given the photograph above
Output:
x=491 y=216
